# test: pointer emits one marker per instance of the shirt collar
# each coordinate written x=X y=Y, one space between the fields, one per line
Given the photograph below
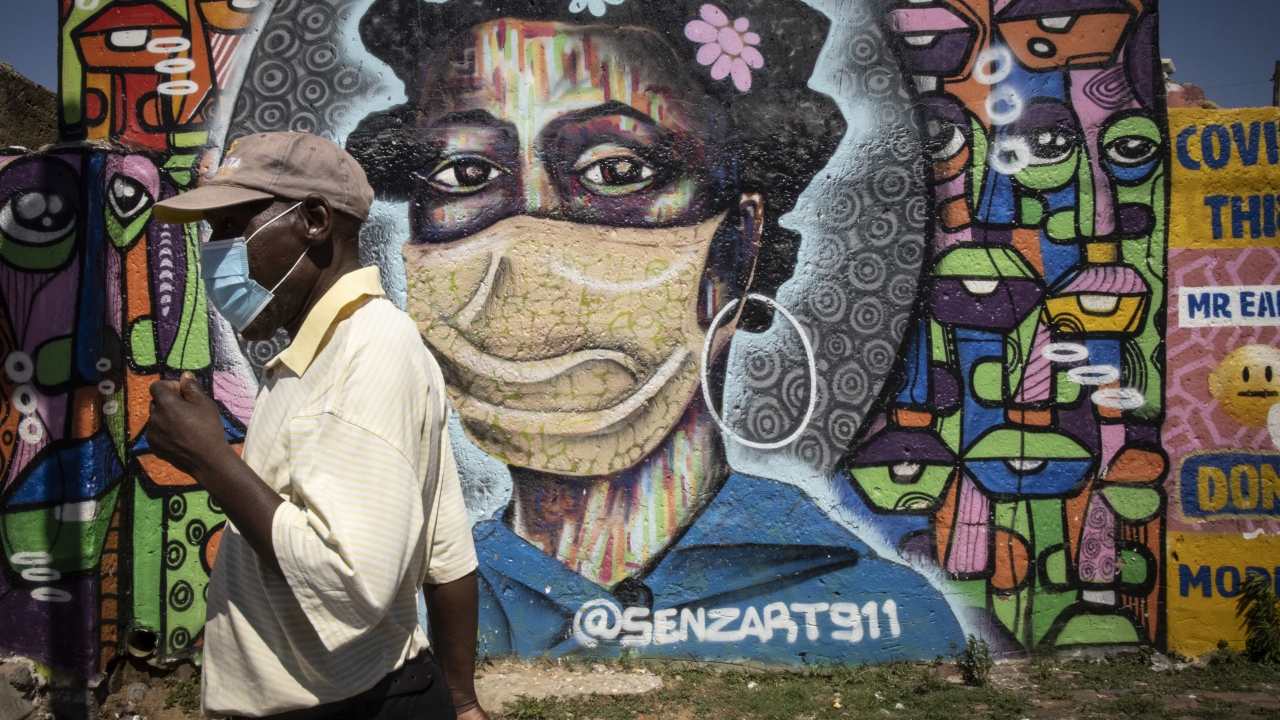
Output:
x=349 y=288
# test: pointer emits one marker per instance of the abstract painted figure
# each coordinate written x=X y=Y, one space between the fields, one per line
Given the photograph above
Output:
x=98 y=304
x=585 y=200
x=106 y=547
x=1023 y=435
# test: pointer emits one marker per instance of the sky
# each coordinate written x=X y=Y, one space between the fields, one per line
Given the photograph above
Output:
x=1226 y=47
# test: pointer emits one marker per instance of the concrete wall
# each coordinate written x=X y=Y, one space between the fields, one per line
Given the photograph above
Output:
x=775 y=331
x=28 y=112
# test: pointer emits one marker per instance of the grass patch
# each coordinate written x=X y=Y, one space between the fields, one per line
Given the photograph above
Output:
x=183 y=692
x=1109 y=688
x=1227 y=671
x=1137 y=707
x=1050 y=679
x=974 y=661
x=527 y=708
x=1260 y=610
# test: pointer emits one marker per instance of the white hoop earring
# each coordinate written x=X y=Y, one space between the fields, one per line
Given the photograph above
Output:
x=808 y=355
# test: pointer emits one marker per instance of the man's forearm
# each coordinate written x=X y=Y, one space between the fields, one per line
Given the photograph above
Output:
x=248 y=502
x=453 y=610
x=186 y=430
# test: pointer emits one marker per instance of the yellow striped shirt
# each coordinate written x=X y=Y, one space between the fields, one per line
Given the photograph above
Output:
x=341 y=431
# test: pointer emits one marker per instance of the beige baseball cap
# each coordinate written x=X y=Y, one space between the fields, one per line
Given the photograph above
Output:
x=288 y=165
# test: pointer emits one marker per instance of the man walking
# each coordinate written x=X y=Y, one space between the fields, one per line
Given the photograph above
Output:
x=346 y=499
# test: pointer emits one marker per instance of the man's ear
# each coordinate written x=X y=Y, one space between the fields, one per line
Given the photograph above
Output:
x=731 y=262
x=318 y=218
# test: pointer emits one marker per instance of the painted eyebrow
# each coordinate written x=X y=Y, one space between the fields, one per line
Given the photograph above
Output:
x=482 y=118
x=1034 y=9
x=613 y=107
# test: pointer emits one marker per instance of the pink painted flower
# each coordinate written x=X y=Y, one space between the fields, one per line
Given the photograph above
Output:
x=728 y=49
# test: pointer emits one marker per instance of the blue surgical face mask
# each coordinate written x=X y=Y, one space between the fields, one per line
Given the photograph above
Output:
x=224 y=265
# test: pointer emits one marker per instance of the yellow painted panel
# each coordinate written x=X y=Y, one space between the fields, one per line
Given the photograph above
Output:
x=1068 y=315
x=1205 y=571
x=1226 y=177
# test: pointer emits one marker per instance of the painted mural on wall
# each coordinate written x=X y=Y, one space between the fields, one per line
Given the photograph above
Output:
x=1223 y=431
x=106 y=548
x=1024 y=422
x=779 y=330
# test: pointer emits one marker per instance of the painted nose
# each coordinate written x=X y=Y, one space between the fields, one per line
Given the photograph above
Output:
x=486 y=292
x=1104 y=205
x=541 y=192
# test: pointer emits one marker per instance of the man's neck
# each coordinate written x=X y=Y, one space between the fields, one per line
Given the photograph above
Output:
x=616 y=526
x=343 y=263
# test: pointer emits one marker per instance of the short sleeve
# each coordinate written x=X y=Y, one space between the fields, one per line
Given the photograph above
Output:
x=452 y=552
x=348 y=542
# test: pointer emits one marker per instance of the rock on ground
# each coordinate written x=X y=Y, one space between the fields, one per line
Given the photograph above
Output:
x=500 y=684
x=12 y=705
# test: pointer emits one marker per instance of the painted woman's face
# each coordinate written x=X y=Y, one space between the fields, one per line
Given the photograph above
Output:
x=590 y=124
x=561 y=227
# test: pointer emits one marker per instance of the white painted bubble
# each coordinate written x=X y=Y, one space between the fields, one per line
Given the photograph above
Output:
x=41 y=574
x=31 y=558
x=1065 y=352
x=48 y=594
x=167 y=45
x=1123 y=399
x=31 y=431
x=25 y=399
x=1094 y=374
x=18 y=366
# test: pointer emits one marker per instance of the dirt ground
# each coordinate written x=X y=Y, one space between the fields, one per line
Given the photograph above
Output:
x=500 y=684
x=146 y=696
x=1141 y=687
x=1126 y=689
x=496 y=684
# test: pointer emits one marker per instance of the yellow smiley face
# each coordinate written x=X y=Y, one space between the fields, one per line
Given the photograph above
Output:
x=1247 y=383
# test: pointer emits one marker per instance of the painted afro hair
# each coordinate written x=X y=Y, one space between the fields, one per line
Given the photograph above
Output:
x=784 y=132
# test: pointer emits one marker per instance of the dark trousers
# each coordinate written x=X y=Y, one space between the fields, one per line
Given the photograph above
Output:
x=416 y=691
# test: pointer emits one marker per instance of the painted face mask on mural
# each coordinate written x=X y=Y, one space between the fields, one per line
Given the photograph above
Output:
x=559 y=248
x=567 y=347
x=224 y=265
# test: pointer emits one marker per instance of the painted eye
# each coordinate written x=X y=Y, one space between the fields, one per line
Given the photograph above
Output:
x=128 y=198
x=1132 y=150
x=943 y=139
x=1245 y=374
x=131 y=39
x=1051 y=145
x=1057 y=23
x=36 y=217
x=464 y=175
x=617 y=173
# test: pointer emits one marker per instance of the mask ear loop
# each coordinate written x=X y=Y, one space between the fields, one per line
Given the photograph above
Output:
x=264 y=225
x=296 y=263
x=286 y=275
